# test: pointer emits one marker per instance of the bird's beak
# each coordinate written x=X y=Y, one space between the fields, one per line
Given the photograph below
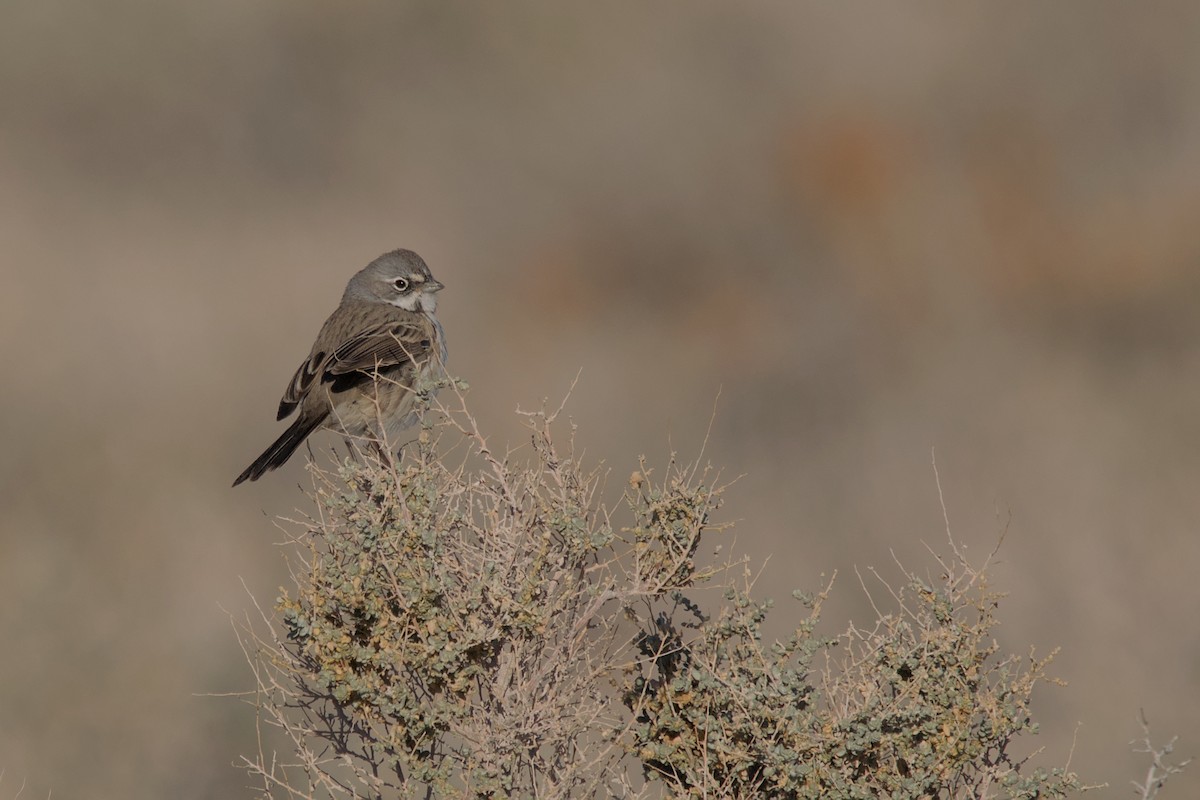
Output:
x=434 y=285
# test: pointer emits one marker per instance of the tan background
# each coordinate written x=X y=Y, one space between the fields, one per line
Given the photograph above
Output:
x=876 y=231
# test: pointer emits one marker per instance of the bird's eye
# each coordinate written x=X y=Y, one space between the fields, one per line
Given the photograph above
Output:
x=401 y=284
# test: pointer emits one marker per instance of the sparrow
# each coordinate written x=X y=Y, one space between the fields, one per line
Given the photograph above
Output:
x=373 y=354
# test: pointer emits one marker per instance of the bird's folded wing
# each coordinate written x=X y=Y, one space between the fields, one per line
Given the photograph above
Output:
x=378 y=347
x=300 y=384
x=381 y=347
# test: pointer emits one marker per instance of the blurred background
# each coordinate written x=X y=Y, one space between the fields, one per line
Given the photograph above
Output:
x=877 y=232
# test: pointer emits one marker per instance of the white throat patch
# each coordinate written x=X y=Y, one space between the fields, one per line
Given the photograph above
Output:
x=417 y=301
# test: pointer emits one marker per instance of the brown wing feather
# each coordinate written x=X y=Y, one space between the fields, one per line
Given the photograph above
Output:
x=382 y=347
x=300 y=384
x=385 y=337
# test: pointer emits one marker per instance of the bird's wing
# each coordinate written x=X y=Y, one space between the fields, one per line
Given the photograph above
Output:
x=301 y=382
x=382 y=345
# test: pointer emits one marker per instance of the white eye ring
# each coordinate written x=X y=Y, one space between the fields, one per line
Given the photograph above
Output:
x=401 y=284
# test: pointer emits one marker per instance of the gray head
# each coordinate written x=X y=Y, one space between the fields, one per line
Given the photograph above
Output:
x=400 y=278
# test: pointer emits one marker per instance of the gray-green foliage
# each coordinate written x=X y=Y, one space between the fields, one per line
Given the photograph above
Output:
x=469 y=625
x=920 y=706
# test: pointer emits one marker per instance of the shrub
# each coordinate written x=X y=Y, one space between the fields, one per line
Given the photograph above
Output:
x=467 y=624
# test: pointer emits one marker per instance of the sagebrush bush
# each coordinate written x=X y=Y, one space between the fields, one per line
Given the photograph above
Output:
x=467 y=624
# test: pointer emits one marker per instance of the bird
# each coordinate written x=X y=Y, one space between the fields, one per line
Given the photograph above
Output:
x=368 y=362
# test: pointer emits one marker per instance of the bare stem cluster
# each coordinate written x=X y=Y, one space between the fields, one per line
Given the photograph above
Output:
x=468 y=624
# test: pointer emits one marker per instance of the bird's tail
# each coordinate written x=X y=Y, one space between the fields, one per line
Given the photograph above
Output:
x=277 y=454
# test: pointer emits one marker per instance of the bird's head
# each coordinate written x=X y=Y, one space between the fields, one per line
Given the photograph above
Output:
x=400 y=278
